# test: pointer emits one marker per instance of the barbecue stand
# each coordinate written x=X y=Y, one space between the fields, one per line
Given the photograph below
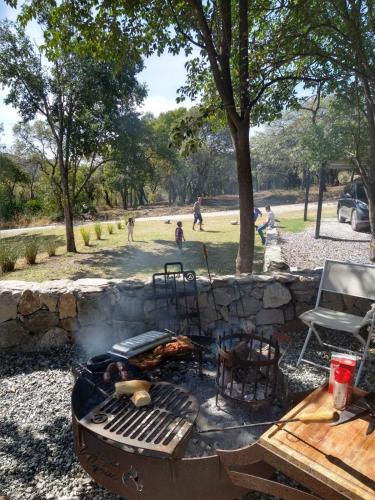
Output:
x=317 y=455
x=175 y=296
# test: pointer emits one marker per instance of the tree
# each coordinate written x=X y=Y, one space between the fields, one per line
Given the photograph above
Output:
x=241 y=54
x=80 y=100
x=341 y=38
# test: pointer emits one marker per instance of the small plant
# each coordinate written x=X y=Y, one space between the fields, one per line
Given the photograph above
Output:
x=98 y=228
x=51 y=247
x=8 y=257
x=31 y=251
x=110 y=228
x=119 y=225
x=86 y=235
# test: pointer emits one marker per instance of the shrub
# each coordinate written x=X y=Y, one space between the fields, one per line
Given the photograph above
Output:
x=33 y=207
x=31 y=251
x=110 y=228
x=8 y=257
x=51 y=247
x=86 y=235
x=119 y=225
x=98 y=228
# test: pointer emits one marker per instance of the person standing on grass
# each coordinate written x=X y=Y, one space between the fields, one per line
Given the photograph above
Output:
x=257 y=213
x=269 y=223
x=197 y=214
x=179 y=235
x=130 y=226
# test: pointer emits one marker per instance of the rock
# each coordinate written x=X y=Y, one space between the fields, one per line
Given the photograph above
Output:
x=289 y=313
x=129 y=309
x=208 y=315
x=54 y=337
x=93 y=308
x=247 y=306
x=304 y=295
x=40 y=321
x=49 y=300
x=257 y=292
x=276 y=295
x=269 y=317
x=29 y=302
x=223 y=297
x=13 y=335
x=224 y=313
x=67 y=306
x=302 y=307
x=69 y=324
x=8 y=304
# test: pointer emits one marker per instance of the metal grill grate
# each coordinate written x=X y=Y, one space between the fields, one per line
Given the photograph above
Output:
x=157 y=429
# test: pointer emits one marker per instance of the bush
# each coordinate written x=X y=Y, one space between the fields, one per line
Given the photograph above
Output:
x=110 y=228
x=86 y=235
x=119 y=225
x=31 y=251
x=33 y=207
x=98 y=228
x=8 y=257
x=51 y=247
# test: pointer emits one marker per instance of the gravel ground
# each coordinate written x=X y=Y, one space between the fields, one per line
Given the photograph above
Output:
x=36 y=446
x=36 y=442
x=338 y=241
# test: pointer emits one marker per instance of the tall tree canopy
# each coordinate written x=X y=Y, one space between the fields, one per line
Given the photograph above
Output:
x=81 y=100
x=244 y=66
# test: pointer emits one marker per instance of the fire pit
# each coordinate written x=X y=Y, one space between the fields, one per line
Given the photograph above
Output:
x=156 y=452
x=134 y=453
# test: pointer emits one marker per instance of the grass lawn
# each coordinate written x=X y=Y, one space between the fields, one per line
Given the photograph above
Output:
x=114 y=257
x=294 y=222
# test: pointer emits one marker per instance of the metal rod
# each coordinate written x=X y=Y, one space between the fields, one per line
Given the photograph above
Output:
x=258 y=424
x=205 y=253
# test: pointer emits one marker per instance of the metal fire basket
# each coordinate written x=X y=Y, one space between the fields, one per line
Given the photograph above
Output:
x=247 y=369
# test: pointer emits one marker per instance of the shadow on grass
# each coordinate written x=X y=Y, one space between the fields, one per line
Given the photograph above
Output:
x=43 y=239
x=126 y=262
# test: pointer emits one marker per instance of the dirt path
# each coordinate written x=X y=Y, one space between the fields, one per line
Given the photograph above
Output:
x=278 y=210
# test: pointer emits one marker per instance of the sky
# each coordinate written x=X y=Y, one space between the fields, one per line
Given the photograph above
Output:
x=162 y=75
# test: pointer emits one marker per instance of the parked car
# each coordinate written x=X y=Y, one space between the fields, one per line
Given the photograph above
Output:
x=353 y=206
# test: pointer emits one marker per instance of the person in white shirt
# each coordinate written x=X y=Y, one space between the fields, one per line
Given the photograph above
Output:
x=269 y=223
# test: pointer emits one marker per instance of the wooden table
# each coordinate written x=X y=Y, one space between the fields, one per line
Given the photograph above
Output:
x=334 y=462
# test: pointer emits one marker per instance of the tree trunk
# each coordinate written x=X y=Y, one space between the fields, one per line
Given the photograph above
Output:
x=307 y=188
x=371 y=205
x=245 y=255
x=107 y=198
x=67 y=205
x=322 y=176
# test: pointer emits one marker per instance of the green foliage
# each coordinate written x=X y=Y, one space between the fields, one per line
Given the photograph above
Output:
x=110 y=228
x=33 y=207
x=9 y=254
x=31 y=251
x=51 y=246
x=119 y=225
x=98 y=229
x=86 y=235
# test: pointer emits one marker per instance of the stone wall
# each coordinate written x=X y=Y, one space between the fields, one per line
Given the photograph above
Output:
x=98 y=312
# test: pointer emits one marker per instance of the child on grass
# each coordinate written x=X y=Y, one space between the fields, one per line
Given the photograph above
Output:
x=130 y=226
x=179 y=235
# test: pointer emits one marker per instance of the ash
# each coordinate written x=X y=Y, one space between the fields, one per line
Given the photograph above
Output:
x=224 y=414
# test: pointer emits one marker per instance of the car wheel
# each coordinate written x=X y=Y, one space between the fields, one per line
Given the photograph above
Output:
x=354 y=221
x=340 y=218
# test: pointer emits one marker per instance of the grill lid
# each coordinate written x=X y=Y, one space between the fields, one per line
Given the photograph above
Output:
x=140 y=343
x=157 y=429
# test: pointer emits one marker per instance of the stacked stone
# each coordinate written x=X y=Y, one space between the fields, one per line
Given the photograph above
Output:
x=98 y=312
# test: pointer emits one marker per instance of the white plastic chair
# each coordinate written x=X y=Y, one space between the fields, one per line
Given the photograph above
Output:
x=345 y=278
